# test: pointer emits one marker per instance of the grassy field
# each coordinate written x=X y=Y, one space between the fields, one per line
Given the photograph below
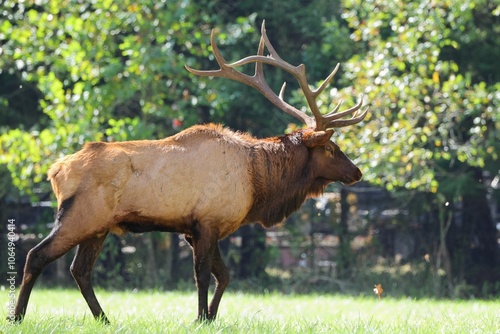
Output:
x=65 y=311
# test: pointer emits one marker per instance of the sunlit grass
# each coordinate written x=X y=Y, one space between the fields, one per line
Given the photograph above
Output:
x=65 y=311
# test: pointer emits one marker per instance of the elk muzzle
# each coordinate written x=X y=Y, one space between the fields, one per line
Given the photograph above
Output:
x=353 y=177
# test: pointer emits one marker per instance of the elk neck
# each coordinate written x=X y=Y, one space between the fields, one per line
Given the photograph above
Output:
x=282 y=178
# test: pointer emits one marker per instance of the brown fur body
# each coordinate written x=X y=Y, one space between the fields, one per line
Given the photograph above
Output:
x=204 y=182
x=206 y=173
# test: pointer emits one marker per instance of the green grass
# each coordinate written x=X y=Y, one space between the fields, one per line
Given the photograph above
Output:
x=65 y=311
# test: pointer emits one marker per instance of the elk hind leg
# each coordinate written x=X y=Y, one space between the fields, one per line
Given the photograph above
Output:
x=221 y=274
x=48 y=250
x=81 y=269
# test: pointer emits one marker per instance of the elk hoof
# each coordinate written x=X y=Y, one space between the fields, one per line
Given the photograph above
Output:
x=15 y=319
x=103 y=319
x=204 y=319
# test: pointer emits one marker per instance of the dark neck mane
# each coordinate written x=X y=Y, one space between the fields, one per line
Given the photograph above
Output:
x=282 y=179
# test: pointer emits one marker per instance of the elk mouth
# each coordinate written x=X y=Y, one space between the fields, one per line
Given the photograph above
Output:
x=349 y=183
x=352 y=179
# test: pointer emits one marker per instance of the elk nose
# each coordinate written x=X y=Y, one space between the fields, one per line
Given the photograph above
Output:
x=358 y=174
x=354 y=177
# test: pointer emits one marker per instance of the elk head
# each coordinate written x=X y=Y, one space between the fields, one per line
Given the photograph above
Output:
x=329 y=162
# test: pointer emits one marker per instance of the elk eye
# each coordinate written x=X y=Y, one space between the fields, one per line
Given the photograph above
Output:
x=329 y=149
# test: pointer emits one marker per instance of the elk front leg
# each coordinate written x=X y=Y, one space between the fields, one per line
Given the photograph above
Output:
x=221 y=274
x=203 y=243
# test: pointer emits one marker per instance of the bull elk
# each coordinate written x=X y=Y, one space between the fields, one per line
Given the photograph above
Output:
x=204 y=182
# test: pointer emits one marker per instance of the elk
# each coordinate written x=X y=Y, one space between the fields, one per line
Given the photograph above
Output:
x=204 y=182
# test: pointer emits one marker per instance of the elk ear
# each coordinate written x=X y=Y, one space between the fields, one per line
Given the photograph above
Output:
x=316 y=138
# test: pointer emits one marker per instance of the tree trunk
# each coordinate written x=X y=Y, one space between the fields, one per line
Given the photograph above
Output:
x=443 y=255
x=151 y=279
x=477 y=256
x=174 y=261
x=344 y=258
x=253 y=252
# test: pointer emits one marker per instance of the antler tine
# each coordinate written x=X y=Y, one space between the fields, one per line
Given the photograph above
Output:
x=258 y=82
x=333 y=115
x=269 y=46
x=298 y=72
x=325 y=83
x=223 y=71
x=282 y=90
x=259 y=67
x=273 y=59
x=339 y=123
x=331 y=119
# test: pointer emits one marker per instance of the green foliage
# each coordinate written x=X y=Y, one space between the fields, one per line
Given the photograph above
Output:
x=97 y=62
x=73 y=72
x=435 y=118
x=110 y=71
x=427 y=113
x=106 y=71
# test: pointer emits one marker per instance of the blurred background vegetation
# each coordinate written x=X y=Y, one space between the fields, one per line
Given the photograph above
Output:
x=423 y=223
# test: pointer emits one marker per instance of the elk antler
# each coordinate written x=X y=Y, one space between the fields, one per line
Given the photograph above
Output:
x=257 y=81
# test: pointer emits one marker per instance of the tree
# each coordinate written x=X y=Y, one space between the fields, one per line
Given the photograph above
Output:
x=434 y=118
x=115 y=71
x=93 y=93
x=95 y=71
